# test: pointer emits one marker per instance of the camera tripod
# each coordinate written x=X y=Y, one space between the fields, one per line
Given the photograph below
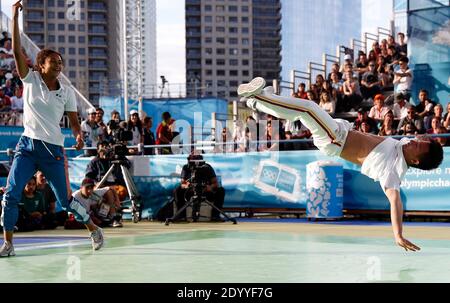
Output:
x=195 y=201
x=135 y=198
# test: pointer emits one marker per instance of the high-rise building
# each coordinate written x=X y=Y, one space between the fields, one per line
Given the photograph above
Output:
x=311 y=28
x=230 y=42
x=89 y=35
x=79 y=32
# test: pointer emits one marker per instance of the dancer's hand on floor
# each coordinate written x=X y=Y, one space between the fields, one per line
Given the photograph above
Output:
x=402 y=242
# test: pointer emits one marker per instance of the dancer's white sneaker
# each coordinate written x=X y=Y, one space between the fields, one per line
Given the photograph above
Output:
x=7 y=250
x=97 y=238
x=253 y=88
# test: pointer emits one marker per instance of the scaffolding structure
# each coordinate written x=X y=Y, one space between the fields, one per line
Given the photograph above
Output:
x=132 y=52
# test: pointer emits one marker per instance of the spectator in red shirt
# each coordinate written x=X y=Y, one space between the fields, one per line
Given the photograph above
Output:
x=301 y=92
x=164 y=133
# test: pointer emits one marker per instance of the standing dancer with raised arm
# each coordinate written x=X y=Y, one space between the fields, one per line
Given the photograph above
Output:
x=41 y=145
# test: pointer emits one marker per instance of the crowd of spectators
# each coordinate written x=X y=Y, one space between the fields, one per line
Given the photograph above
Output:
x=11 y=87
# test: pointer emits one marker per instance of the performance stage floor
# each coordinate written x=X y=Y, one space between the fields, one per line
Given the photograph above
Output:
x=254 y=251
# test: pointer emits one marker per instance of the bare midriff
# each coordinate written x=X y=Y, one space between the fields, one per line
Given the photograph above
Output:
x=359 y=145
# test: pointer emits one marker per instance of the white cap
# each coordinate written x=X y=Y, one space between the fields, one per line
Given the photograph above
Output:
x=133 y=112
x=347 y=57
x=91 y=110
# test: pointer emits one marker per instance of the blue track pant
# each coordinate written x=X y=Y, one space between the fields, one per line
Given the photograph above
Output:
x=33 y=155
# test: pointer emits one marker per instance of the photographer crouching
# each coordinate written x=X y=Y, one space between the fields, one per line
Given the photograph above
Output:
x=199 y=178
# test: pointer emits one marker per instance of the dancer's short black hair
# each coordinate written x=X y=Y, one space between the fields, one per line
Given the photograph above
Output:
x=433 y=159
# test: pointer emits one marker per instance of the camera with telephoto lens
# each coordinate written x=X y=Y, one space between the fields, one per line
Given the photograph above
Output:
x=196 y=165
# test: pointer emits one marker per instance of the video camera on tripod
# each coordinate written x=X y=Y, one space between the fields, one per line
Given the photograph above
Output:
x=116 y=153
x=120 y=135
x=198 y=182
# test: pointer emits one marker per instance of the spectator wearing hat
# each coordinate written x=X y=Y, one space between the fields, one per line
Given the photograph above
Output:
x=164 y=133
x=102 y=204
x=378 y=111
x=364 y=117
x=92 y=132
x=347 y=60
x=411 y=124
x=401 y=107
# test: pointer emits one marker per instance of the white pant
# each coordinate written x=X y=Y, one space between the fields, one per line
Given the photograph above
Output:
x=329 y=135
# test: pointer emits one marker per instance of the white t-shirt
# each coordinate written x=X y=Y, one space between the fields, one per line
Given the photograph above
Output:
x=405 y=82
x=401 y=112
x=386 y=163
x=136 y=137
x=16 y=103
x=10 y=60
x=375 y=113
x=93 y=200
x=91 y=134
x=44 y=109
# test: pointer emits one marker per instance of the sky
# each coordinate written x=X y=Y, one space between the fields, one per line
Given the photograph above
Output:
x=171 y=32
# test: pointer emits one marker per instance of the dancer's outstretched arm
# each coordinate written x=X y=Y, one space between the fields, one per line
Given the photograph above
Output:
x=397 y=220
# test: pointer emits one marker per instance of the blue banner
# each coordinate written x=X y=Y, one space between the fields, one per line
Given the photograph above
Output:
x=278 y=180
x=180 y=109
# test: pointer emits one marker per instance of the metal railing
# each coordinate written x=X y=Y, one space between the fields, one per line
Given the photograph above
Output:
x=206 y=145
x=315 y=68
